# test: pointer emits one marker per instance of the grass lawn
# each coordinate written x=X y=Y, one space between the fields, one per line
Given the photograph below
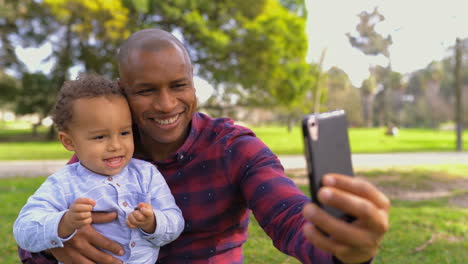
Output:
x=365 y=140
x=17 y=143
x=413 y=222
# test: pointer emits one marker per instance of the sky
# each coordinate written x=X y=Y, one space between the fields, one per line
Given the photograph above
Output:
x=422 y=31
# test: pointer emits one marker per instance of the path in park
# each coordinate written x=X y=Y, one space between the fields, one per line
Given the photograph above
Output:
x=43 y=167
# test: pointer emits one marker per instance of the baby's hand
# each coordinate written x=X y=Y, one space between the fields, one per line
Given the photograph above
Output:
x=78 y=215
x=143 y=217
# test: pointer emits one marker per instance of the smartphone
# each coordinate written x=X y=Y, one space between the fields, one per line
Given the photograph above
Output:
x=327 y=150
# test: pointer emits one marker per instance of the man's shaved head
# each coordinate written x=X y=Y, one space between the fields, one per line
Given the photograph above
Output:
x=151 y=39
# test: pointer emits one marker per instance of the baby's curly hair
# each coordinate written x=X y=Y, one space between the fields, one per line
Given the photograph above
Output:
x=85 y=86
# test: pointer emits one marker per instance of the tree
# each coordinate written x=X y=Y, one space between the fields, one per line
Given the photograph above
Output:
x=34 y=97
x=8 y=87
x=370 y=42
x=241 y=45
x=368 y=88
x=458 y=95
x=343 y=95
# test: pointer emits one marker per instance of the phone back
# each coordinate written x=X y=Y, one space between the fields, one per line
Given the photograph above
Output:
x=327 y=150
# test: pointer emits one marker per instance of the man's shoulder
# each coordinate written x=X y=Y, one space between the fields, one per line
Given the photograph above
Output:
x=221 y=126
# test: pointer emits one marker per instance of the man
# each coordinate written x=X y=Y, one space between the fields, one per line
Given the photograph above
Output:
x=218 y=172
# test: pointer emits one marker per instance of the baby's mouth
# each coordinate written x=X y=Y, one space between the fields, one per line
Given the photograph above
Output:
x=114 y=162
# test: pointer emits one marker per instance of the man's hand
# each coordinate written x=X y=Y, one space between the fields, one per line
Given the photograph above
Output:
x=143 y=217
x=354 y=242
x=83 y=247
x=78 y=215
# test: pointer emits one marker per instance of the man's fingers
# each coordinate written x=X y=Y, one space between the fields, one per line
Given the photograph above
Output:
x=357 y=206
x=103 y=217
x=97 y=255
x=68 y=255
x=358 y=187
x=319 y=240
x=338 y=230
x=103 y=242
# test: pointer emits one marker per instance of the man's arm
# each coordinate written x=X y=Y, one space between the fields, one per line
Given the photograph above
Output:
x=354 y=242
x=277 y=205
x=274 y=199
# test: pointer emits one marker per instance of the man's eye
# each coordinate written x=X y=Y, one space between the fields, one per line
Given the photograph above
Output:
x=145 y=92
x=180 y=85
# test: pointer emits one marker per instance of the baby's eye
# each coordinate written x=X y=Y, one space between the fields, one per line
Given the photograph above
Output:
x=126 y=133
x=98 y=137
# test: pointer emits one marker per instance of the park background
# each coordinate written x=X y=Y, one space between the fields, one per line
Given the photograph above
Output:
x=266 y=64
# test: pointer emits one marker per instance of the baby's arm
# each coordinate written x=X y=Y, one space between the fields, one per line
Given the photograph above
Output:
x=78 y=215
x=36 y=228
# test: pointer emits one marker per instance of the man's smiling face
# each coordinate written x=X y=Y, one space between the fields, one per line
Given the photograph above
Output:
x=160 y=91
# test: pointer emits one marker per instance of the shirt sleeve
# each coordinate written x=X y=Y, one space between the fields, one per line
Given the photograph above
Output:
x=274 y=199
x=36 y=227
x=27 y=257
x=169 y=219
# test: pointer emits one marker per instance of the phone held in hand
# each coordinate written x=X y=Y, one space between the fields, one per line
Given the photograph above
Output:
x=327 y=150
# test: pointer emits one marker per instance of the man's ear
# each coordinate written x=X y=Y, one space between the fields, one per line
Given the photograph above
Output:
x=66 y=140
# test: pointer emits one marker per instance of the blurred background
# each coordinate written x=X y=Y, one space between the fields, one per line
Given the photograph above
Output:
x=399 y=69
x=388 y=63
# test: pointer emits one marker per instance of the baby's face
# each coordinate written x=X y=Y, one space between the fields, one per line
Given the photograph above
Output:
x=100 y=133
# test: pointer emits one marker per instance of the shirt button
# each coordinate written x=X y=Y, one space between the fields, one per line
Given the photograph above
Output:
x=53 y=242
x=125 y=204
x=181 y=157
x=133 y=244
x=109 y=178
x=118 y=184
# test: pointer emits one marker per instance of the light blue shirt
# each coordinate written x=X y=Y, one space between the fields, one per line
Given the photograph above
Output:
x=36 y=228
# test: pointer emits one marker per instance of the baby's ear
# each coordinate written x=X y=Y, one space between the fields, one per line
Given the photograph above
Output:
x=66 y=140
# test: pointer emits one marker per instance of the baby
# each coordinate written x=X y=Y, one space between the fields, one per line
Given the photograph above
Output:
x=94 y=121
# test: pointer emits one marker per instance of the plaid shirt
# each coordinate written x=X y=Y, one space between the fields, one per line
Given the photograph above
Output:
x=218 y=177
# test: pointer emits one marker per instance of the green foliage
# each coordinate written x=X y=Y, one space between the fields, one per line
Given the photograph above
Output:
x=36 y=95
x=8 y=87
x=343 y=95
x=259 y=45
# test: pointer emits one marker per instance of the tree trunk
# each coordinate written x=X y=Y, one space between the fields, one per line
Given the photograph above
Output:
x=458 y=95
x=34 y=129
x=367 y=110
x=290 y=124
x=51 y=135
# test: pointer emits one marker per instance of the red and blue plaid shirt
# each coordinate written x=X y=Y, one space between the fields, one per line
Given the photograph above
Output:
x=221 y=174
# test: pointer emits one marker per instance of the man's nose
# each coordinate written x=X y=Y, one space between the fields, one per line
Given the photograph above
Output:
x=166 y=101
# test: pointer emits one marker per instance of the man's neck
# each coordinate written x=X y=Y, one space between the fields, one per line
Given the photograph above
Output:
x=157 y=151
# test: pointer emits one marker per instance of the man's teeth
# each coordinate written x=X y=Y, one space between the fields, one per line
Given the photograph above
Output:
x=166 y=121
